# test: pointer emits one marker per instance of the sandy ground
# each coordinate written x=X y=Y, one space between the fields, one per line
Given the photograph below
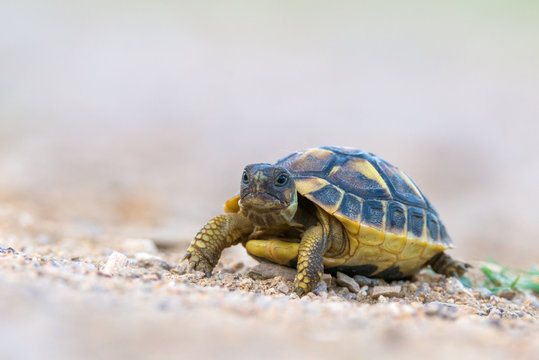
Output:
x=74 y=293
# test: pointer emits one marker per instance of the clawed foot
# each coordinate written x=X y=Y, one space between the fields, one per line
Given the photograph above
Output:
x=306 y=281
x=446 y=265
x=457 y=268
x=197 y=262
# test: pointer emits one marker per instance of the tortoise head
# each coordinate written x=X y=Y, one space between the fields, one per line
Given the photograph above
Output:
x=268 y=194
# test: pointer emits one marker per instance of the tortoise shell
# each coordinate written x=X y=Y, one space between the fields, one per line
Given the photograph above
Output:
x=358 y=187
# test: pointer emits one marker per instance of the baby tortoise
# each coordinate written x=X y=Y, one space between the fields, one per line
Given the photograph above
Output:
x=329 y=209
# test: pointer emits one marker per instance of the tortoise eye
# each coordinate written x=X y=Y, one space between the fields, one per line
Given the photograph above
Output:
x=281 y=180
x=245 y=178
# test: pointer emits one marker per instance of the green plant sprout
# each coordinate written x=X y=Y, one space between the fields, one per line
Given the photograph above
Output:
x=499 y=278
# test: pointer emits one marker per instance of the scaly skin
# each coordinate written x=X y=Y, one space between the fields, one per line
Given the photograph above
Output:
x=219 y=233
x=310 y=265
x=446 y=265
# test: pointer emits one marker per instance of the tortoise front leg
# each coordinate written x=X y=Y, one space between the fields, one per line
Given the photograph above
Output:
x=219 y=233
x=310 y=263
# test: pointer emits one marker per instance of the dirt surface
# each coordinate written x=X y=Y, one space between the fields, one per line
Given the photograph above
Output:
x=73 y=293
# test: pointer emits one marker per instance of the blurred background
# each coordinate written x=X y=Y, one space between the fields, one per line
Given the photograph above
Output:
x=139 y=116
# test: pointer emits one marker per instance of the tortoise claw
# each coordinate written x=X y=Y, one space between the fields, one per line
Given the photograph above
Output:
x=197 y=263
x=445 y=265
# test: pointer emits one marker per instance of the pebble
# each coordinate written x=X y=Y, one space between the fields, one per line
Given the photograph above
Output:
x=483 y=293
x=115 y=263
x=8 y=250
x=363 y=291
x=343 y=291
x=264 y=271
x=328 y=279
x=283 y=288
x=321 y=288
x=507 y=294
x=347 y=282
x=365 y=281
x=386 y=290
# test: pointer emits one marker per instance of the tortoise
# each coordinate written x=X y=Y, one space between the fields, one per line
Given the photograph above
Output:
x=329 y=209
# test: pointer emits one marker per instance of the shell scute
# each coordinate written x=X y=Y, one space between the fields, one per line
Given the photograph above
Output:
x=373 y=213
x=416 y=221
x=358 y=176
x=349 y=212
x=328 y=198
x=404 y=188
x=307 y=185
x=309 y=161
x=396 y=218
x=433 y=227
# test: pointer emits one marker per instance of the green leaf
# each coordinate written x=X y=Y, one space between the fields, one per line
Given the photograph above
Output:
x=514 y=283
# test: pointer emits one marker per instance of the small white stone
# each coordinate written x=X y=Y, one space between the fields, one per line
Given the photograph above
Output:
x=115 y=263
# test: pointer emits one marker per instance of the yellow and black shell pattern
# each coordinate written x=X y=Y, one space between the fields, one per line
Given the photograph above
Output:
x=392 y=228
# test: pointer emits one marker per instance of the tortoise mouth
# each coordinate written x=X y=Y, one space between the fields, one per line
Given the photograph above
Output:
x=262 y=201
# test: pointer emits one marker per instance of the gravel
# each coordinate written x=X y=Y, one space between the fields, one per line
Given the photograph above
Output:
x=124 y=303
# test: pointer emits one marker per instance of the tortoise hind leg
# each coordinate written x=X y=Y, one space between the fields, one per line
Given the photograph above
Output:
x=446 y=265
